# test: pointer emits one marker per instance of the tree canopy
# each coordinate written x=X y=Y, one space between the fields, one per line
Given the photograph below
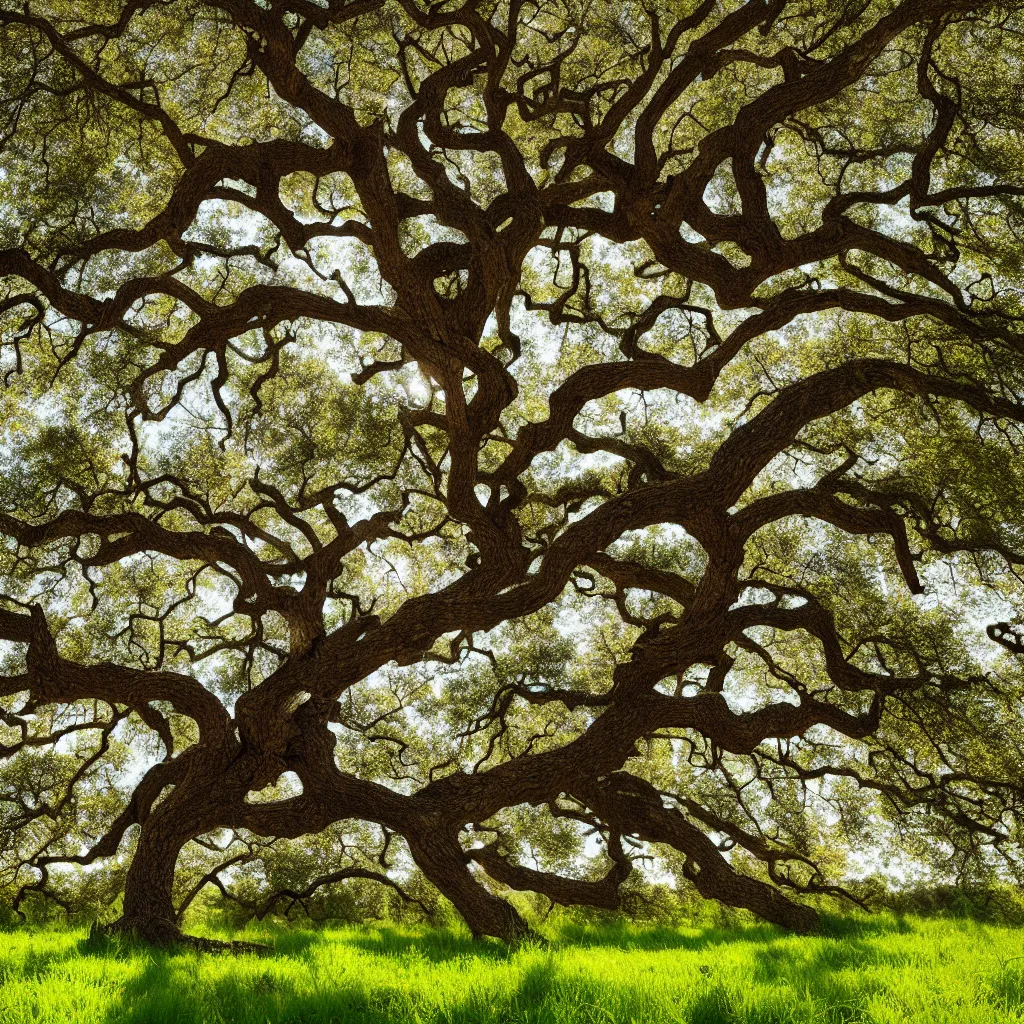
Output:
x=509 y=438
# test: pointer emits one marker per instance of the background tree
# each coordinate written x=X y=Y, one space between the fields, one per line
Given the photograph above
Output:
x=492 y=430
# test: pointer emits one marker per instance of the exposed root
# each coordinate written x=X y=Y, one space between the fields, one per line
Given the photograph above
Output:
x=159 y=932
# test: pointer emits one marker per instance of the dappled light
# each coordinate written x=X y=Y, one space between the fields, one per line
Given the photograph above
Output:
x=880 y=972
x=468 y=460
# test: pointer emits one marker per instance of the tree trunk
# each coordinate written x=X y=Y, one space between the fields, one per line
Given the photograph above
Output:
x=443 y=861
x=148 y=906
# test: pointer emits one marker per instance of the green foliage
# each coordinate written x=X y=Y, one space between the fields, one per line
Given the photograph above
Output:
x=250 y=423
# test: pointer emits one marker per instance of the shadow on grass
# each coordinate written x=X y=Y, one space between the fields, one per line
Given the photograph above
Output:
x=441 y=946
x=835 y=926
x=836 y=971
x=660 y=938
x=844 y=944
x=437 y=947
x=540 y=995
x=179 y=987
x=169 y=990
x=35 y=961
x=162 y=993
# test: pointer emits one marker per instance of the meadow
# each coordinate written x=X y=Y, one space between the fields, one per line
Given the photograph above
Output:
x=883 y=970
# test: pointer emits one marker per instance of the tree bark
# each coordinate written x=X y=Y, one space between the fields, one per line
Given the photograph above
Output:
x=633 y=804
x=445 y=864
x=148 y=911
x=286 y=552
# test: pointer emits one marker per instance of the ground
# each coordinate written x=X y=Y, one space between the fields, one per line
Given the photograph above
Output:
x=881 y=970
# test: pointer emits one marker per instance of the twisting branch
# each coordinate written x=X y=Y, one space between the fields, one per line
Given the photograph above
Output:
x=445 y=405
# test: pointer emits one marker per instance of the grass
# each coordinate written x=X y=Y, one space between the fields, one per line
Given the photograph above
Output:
x=881 y=970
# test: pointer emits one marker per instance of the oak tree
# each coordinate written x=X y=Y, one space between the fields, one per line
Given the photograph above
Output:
x=463 y=430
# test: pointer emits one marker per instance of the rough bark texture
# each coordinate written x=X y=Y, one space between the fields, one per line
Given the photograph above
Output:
x=564 y=158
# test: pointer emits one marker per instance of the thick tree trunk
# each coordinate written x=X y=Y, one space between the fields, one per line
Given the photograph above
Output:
x=444 y=862
x=148 y=911
x=194 y=806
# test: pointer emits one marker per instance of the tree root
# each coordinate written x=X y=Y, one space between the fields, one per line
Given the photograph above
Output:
x=158 y=932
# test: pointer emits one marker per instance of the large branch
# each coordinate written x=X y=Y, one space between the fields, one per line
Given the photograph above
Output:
x=634 y=807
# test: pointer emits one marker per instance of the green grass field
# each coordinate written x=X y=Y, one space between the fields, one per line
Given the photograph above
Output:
x=876 y=969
